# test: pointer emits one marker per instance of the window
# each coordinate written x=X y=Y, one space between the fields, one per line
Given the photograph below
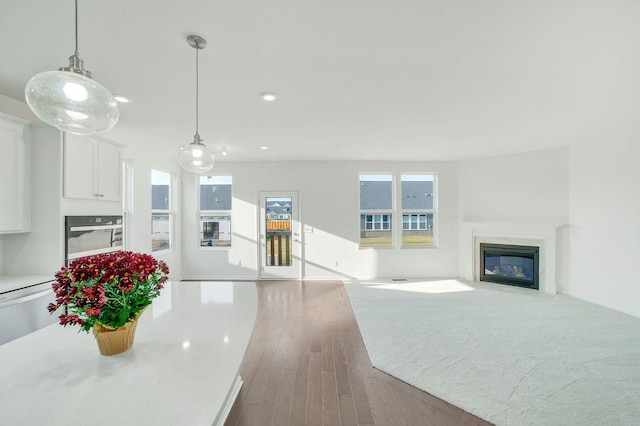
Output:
x=377 y=221
x=410 y=202
x=376 y=204
x=417 y=192
x=215 y=211
x=414 y=221
x=161 y=214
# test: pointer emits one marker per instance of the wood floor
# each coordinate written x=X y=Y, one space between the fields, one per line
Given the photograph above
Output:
x=307 y=364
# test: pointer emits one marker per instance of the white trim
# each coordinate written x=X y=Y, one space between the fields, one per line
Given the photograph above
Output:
x=17 y=119
x=228 y=403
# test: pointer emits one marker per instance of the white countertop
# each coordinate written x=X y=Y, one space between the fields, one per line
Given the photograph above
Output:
x=188 y=348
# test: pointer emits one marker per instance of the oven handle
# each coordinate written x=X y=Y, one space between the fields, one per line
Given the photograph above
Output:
x=94 y=228
x=26 y=298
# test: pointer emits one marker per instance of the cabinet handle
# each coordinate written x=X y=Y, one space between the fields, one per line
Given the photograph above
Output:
x=101 y=195
x=98 y=195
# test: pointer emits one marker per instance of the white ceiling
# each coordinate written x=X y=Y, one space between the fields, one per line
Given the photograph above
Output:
x=356 y=79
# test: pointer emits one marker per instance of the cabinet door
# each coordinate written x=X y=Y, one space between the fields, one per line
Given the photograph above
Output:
x=12 y=176
x=109 y=171
x=80 y=159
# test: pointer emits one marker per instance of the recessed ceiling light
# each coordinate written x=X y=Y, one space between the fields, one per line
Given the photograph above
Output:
x=264 y=147
x=268 y=96
x=122 y=99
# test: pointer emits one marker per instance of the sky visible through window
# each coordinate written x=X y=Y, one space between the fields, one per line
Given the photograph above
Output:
x=376 y=178
x=159 y=178
x=417 y=178
x=219 y=180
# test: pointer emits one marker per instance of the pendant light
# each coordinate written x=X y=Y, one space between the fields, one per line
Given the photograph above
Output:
x=196 y=157
x=70 y=99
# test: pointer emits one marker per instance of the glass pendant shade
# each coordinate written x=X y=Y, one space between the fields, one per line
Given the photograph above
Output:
x=196 y=158
x=71 y=102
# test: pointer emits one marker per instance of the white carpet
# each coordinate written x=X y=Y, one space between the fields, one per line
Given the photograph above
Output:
x=511 y=356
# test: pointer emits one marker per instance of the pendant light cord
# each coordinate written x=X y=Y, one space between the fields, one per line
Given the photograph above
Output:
x=197 y=89
x=77 y=28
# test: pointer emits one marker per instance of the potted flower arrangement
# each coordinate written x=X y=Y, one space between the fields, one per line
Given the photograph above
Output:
x=106 y=293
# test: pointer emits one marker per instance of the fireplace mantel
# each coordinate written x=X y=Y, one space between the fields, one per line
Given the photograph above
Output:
x=542 y=235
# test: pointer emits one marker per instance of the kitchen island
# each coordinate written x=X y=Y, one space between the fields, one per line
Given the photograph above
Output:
x=182 y=369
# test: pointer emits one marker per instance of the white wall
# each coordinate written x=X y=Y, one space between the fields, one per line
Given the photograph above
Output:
x=143 y=159
x=527 y=192
x=604 y=211
x=526 y=187
x=329 y=204
x=592 y=186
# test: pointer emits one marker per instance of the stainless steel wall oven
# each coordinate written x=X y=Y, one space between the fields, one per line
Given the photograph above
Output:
x=88 y=235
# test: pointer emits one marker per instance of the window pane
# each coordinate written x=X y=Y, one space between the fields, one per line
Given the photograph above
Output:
x=160 y=190
x=420 y=234
x=215 y=231
x=160 y=220
x=378 y=235
x=279 y=231
x=215 y=193
x=160 y=231
x=376 y=192
x=417 y=191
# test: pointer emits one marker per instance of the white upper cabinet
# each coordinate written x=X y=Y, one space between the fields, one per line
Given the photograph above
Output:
x=92 y=168
x=15 y=195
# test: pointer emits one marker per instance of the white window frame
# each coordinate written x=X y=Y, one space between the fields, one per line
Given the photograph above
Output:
x=169 y=212
x=390 y=212
x=377 y=219
x=417 y=222
x=433 y=211
x=204 y=213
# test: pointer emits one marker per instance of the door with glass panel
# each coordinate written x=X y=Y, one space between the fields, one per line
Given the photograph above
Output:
x=280 y=242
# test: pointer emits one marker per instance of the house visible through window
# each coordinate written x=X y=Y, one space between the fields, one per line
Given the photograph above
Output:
x=377 y=221
x=215 y=211
x=161 y=214
x=376 y=204
x=410 y=202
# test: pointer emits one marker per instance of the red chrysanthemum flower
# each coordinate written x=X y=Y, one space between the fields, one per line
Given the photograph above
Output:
x=109 y=289
x=93 y=311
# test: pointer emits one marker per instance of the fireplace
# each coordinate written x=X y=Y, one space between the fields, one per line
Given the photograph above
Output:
x=510 y=264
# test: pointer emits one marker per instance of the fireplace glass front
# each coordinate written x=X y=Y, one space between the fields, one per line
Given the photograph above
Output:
x=509 y=264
